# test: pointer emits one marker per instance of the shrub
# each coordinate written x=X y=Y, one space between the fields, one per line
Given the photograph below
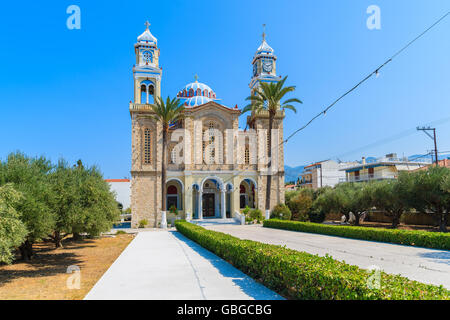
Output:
x=300 y=275
x=120 y=232
x=317 y=216
x=301 y=204
x=435 y=240
x=256 y=214
x=173 y=210
x=143 y=223
x=281 y=211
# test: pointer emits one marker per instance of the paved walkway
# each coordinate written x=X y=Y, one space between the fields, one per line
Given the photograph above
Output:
x=421 y=264
x=165 y=265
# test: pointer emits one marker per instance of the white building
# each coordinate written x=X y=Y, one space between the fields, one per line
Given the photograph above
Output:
x=387 y=167
x=323 y=173
x=122 y=188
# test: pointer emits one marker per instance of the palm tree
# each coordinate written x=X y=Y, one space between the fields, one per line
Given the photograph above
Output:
x=268 y=97
x=166 y=113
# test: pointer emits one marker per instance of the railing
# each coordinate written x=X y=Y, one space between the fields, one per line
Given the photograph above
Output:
x=140 y=107
x=367 y=177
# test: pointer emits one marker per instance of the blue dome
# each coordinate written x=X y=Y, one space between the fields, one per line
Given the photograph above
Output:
x=196 y=101
x=195 y=94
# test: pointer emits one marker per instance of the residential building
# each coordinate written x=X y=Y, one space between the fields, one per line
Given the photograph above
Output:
x=323 y=173
x=387 y=167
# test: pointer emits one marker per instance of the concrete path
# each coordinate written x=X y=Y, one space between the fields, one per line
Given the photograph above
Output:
x=165 y=265
x=424 y=265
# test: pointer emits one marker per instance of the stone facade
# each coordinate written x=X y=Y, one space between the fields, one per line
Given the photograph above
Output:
x=196 y=187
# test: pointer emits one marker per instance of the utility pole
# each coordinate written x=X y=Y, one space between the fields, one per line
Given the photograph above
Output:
x=433 y=137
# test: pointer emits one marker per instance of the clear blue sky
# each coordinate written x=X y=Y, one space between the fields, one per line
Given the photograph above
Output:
x=65 y=93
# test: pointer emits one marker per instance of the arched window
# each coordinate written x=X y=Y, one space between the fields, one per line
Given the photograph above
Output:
x=172 y=190
x=191 y=92
x=151 y=94
x=147 y=92
x=184 y=93
x=199 y=92
x=247 y=154
x=143 y=93
x=147 y=146
x=205 y=93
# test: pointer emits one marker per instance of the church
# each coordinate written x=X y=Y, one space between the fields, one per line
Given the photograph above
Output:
x=214 y=181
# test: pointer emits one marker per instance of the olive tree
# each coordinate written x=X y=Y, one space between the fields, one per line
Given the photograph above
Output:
x=428 y=193
x=12 y=229
x=29 y=176
x=390 y=196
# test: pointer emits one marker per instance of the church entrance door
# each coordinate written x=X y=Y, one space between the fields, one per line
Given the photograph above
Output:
x=208 y=205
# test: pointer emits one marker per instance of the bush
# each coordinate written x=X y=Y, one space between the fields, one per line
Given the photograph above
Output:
x=143 y=223
x=120 y=232
x=435 y=240
x=256 y=215
x=300 y=275
x=173 y=210
x=301 y=204
x=317 y=216
x=281 y=211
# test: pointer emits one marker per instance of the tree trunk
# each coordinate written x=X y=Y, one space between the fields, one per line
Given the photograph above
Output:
x=57 y=239
x=26 y=250
x=357 y=217
x=443 y=222
x=76 y=236
x=269 y=163
x=163 y=168
x=395 y=221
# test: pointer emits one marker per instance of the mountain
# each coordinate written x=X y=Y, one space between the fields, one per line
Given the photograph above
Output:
x=292 y=173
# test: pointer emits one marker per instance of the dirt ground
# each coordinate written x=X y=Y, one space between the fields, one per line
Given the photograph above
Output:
x=46 y=277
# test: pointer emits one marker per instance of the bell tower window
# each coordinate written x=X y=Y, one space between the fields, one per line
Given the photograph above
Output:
x=147 y=146
x=147 y=92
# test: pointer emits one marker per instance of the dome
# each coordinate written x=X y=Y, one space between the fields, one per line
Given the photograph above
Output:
x=196 y=101
x=195 y=94
x=264 y=48
x=147 y=36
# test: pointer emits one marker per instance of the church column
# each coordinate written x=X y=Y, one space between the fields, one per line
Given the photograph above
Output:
x=222 y=202
x=200 y=204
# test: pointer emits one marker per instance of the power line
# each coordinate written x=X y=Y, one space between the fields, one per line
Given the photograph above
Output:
x=375 y=72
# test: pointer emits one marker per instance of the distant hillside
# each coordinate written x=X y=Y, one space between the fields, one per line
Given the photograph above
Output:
x=292 y=173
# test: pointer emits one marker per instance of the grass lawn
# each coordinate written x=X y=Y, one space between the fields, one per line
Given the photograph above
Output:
x=45 y=276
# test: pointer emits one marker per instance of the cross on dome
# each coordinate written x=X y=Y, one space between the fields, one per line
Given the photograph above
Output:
x=196 y=77
x=147 y=24
x=264 y=32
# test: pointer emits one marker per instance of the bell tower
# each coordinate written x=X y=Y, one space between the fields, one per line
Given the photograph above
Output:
x=264 y=64
x=146 y=72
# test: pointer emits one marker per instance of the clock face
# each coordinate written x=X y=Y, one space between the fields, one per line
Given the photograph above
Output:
x=267 y=66
x=148 y=57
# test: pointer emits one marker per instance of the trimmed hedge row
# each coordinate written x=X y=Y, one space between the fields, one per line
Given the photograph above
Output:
x=435 y=240
x=300 y=275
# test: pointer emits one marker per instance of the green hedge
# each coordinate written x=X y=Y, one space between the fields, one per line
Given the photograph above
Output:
x=300 y=275
x=435 y=240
